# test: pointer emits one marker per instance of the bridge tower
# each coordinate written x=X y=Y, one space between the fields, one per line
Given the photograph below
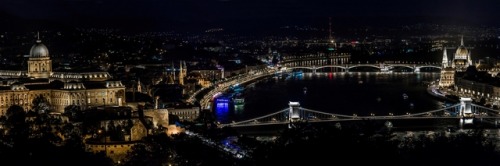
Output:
x=382 y=67
x=465 y=106
x=294 y=113
x=466 y=111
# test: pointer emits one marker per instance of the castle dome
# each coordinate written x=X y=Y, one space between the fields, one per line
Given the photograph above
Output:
x=39 y=50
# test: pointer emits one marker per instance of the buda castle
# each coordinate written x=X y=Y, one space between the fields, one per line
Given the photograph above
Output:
x=60 y=89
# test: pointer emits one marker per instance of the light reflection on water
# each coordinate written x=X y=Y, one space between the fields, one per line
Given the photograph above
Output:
x=222 y=109
x=359 y=93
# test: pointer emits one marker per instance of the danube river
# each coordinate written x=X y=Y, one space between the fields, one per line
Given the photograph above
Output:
x=361 y=93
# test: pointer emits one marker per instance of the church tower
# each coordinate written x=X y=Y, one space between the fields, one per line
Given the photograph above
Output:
x=182 y=72
x=39 y=63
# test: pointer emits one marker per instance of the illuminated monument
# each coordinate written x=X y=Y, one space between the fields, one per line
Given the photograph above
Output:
x=61 y=89
x=464 y=79
x=447 y=76
x=459 y=63
x=39 y=63
x=462 y=58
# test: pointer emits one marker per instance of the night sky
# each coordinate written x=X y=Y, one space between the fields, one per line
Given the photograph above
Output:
x=215 y=13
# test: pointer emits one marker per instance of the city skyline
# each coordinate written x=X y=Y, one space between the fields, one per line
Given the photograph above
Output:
x=249 y=82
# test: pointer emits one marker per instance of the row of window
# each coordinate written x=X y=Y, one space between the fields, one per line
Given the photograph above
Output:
x=37 y=68
x=60 y=98
x=80 y=76
x=82 y=101
x=18 y=99
x=10 y=73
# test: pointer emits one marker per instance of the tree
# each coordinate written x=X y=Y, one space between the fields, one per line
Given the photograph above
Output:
x=159 y=129
x=74 y=113
x=206 y=116
x=152 y=150
x=15 y=115
x=18 y=129
x=41 y=104
x=173 y=119
x=482 y=101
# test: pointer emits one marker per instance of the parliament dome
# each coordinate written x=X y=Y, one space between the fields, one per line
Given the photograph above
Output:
x=39 y=50
x=461 y=52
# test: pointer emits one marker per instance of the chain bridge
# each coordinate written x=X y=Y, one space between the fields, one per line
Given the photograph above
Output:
x=465 y=111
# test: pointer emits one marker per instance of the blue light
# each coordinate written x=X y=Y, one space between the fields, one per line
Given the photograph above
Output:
x=222 y=100
x=222 y=109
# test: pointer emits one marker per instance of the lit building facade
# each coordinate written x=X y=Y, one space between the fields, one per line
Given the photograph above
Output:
x=467 y=80
x=447 y=72
x=61 y=89
x=118 y=130
x=185 y=114
x=477 y=90
x=461 y=60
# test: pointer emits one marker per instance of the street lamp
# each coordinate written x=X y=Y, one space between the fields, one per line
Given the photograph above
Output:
x=102 y=132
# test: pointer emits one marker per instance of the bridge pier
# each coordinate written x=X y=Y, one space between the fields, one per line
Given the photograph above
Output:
x=466 y=114
x=294 y=113
x=465 y=107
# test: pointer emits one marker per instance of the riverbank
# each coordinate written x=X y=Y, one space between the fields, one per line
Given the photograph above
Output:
x=221 y=87
x=434 y=91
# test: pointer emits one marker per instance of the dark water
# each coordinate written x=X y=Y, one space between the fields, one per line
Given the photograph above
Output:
x=351 y=93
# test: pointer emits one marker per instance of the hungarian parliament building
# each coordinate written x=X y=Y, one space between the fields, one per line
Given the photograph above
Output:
x=466 y=79
x=60 y=89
